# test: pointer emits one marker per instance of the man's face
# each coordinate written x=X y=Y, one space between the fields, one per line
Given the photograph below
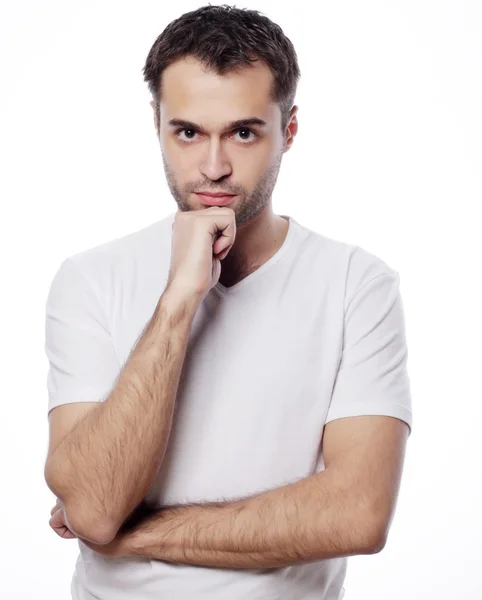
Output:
x=204 y=153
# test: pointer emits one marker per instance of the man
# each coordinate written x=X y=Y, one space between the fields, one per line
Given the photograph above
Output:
x=229 y=402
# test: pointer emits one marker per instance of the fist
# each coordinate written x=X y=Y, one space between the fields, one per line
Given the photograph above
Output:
x=57 y=522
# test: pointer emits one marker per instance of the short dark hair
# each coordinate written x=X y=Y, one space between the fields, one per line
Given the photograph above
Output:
x=225 y=38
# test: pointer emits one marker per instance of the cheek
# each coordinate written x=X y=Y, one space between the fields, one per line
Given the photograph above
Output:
x=255 y=161
x=268 y=150
x=181 y=162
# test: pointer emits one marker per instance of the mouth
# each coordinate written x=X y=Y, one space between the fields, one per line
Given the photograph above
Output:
x=215 y=199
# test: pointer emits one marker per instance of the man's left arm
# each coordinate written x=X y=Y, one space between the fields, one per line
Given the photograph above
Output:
x=344 y=510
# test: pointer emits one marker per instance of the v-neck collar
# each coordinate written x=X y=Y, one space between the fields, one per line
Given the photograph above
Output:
x=265 y=266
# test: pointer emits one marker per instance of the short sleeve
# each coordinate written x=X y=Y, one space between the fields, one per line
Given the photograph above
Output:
x=372 y=378
x=83 y=364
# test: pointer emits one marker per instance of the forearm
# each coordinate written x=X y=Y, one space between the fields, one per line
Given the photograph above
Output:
x=305 y=521
x=105 y=466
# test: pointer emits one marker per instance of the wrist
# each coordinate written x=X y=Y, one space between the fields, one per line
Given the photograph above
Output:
x=178 y=299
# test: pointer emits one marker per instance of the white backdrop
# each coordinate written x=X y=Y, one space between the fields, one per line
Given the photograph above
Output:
x=388 y=156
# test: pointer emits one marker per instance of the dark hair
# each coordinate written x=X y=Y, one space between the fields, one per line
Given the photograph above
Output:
x=225 y=38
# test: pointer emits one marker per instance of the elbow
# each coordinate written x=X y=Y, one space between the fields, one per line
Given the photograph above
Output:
x=375 y=534
x=95 y=530
x=105 y=532
x=376 y=544
x=85 y=522
x=366 y=532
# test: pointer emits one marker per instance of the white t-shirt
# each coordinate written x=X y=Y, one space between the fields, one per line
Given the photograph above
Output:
x=314 y=334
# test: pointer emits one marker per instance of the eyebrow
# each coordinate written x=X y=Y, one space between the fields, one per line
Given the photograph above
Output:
x=227 y=126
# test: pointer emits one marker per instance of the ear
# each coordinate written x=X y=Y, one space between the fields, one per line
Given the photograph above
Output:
x=156 y=124
x=291 y=128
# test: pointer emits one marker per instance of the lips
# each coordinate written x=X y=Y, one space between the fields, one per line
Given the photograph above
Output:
x=215 y=200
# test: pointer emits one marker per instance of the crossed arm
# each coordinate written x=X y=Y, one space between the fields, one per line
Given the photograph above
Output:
x=344 y=510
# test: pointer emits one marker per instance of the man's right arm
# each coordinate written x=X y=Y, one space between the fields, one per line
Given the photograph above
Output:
x=105 y=466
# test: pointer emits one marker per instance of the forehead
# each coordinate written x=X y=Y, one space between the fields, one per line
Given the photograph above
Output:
x=188 y=88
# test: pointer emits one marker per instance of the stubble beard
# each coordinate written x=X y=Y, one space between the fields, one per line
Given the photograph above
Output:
x=246 y=209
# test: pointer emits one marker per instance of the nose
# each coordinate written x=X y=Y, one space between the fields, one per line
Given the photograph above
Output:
x=215 y=163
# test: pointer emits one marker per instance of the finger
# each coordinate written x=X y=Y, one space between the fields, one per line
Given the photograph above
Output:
x=226 y=229
x=64 y=533
x=67 y=534
x=55 y=508
x=223 y=243
x=57 y=522
x=223 y=255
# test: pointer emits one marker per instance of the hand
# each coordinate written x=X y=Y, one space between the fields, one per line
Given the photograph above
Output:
x=57 y=522
x=200 y=240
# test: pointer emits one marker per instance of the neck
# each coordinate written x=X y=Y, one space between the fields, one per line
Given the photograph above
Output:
x=256 y=242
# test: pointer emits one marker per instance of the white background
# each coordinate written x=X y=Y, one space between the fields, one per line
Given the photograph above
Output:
x=388 y=156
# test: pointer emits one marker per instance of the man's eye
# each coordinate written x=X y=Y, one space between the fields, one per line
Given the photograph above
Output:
x=245 y=130
x=189 y=134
